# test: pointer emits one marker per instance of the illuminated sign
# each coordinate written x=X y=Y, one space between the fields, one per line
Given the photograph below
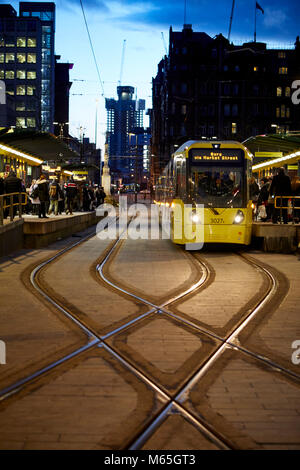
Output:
x=206 y=155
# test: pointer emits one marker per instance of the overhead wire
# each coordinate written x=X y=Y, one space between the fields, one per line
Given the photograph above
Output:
x=92 y=47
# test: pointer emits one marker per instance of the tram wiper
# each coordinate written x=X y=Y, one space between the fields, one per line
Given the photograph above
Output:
x=214 y=211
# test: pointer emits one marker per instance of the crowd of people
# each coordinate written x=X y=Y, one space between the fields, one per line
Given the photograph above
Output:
x=52 y=196
x=263 y=195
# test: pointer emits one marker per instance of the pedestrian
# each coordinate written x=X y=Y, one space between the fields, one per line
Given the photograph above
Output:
x=12 y=184
x=262 y=200
x=1 y=186
x=295 y=184
x=43 y=195
x=281 y=186
x=34 y=197
x=92 y=197
x=71 y=191
x=61 y=198
x=100 y=195
x=53 y=194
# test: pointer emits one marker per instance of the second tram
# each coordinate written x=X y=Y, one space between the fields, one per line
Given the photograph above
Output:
x=206 y=186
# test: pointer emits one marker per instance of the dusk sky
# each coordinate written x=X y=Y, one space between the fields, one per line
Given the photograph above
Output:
x=141 y=24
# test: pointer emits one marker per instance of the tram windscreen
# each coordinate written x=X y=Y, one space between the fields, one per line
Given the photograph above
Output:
x=217 y=177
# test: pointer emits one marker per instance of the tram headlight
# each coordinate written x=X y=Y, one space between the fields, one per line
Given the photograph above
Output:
x=239 y=217
x=195 y=218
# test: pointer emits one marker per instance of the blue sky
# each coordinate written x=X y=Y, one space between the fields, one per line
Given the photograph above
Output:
x=141 y=24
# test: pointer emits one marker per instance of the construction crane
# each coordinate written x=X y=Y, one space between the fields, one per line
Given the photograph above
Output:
x=122 y=62
x=163 y=38
x=231 y=17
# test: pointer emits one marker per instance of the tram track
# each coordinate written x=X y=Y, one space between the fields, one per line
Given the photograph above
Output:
x=94 y=339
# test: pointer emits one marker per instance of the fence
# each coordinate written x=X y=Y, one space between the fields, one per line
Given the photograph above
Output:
x=10 y=201
x=290 y=207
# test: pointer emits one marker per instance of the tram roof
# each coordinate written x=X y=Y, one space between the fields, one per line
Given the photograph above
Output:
x=189 y=143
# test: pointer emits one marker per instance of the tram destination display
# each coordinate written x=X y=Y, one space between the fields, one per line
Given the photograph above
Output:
x=219 y=155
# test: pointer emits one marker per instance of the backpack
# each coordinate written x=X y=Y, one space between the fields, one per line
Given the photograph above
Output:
x=52 y=191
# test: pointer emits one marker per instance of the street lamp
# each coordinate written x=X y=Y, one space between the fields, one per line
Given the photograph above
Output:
x=135 y=165
x=61 y=127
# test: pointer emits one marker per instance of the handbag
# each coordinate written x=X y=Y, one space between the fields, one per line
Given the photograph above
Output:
x=262 y=213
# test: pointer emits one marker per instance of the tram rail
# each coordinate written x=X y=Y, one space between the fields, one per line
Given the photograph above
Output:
x=94 y=339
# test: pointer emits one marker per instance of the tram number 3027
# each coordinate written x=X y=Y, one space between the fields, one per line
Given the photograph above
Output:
x=217 y=221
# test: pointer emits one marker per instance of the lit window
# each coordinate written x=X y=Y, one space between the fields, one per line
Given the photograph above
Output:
x=21 y=58
x=31 y=42
x=282 y=110
x=233 y=128
x=31 y=74
x=183 y=109
x=20 y=122
x=287 y=91
x=283 y=70
x=255 y=68
x=31 y=122
x=20 y=106
x=9 y=57
x=1 y=74
x=21 y=42
x=1 y=41
x=279 y=91
x=30 y=90
x=10 y=41
x=9 y=74
x=21 y=74
x=31 y=58
x=20 y=90
x=281 y=55
x=287 y=112
x=1 y=58
x=278 y=112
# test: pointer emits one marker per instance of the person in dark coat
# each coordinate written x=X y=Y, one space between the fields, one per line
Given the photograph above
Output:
x=1 y=186
x=264 y=196
x=281 y=186
x=12 y=184
x=54 y=190
x=43 y=195
x=71 y=192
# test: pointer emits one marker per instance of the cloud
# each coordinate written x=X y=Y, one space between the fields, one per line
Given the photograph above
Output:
x=274 y=18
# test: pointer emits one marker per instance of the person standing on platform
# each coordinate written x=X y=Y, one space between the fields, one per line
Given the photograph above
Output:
x=12 y=184
x=43 y=195
x=281 y=186
x=71 y=192
x=53 y=193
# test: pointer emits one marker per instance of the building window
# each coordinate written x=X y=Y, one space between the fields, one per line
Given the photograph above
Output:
x=31 y=90
x=21 y=58
x=281 y=55
x=235 y=110
x=9 y=74
x=31 y=42
x=277 y=112
x=31 y=58
x=287 y=92
x=1 y=74
x=31 y=122
x=20 y=106
x=255 y=68
x=283 y=70
x=279 y=91
x=183 y=109
x=21 y=26
x=31 y=74
x=233 y=128
x=225 y=68
x=10 y=90
x=20 y=90
x=226 y=89
x=226 y=109
x=1 y=58
x=21 y=42
x=183 y=88
x=20 y=122
x=237 y=68
x=9 y=57
x=21 y=74
x=10 y=41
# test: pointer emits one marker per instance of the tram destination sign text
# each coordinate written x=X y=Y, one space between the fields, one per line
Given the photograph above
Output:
x=216 y=155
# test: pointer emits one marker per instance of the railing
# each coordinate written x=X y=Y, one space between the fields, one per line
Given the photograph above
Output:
x=8 y=201
x=291 y=207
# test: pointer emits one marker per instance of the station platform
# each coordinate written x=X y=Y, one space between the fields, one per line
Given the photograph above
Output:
x=33 y=232
x=277 y=238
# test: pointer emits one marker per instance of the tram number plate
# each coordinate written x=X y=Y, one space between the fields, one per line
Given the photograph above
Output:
x=217 y=221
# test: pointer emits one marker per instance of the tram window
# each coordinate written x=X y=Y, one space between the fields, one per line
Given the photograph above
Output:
x=217 y=187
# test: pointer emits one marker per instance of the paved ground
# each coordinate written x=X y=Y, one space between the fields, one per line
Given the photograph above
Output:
x=98 y=400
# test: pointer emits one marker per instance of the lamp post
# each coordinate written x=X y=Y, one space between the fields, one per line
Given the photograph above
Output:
x=61 y=128
x=135 y=164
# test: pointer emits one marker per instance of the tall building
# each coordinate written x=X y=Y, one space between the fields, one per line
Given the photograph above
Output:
x=207 y=87
x=45 y=11
x=125 y=135
x=27 y=64
x=62 y=95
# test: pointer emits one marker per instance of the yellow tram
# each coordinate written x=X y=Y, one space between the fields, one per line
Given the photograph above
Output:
x=205 y=187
